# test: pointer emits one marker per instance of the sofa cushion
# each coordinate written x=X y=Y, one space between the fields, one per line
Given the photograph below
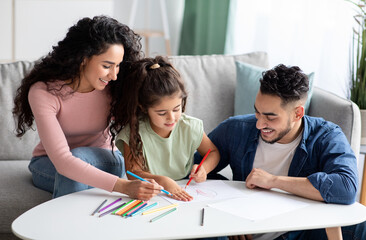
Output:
x=17 y=192
x=210 y=82
x=12 y=147
x=248 y=84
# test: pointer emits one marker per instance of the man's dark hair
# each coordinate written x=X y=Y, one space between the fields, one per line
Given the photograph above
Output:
x=288 y=83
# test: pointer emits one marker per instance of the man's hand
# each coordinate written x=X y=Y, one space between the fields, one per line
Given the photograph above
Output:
x=300 y=186
x=260 y=178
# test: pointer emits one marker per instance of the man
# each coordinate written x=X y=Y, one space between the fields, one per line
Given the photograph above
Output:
x=280 y=147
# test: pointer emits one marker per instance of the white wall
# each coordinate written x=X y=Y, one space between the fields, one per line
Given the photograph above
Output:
x=148 y=16
x=6 y=30
x=314 y=35
x=40 y=24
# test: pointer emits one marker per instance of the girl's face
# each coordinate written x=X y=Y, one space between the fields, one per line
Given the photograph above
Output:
x=99 y=70
x=165 y=115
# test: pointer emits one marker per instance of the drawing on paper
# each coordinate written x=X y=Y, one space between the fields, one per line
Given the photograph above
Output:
x=207 y=191
x=201 y=192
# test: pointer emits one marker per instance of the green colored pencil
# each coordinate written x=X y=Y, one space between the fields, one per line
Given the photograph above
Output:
x=125 y=205
x=132 y=209
x=163 y=214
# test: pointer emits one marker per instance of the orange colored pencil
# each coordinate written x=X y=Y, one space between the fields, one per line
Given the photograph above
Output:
x=132 y=205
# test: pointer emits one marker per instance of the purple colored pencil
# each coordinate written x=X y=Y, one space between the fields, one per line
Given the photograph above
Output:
x=111 y=210
x=101 y=210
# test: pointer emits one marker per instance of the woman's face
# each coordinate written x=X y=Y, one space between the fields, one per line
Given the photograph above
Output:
x=99 y=70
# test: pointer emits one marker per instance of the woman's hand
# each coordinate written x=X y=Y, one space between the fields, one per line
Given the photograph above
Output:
x=137 y=189
x=171 y=186
x=201 y=174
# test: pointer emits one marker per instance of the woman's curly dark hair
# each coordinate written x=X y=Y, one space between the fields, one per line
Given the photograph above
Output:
x=288 y=83
x=141 y=89
x=87 y=38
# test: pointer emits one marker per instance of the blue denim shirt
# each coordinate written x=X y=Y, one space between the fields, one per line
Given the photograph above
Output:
x=324 y=155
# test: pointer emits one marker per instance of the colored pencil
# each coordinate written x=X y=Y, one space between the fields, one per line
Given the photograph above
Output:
x=111 y=210
x=111 y=204
x=204 y=158
x=162 y=215
x=159 y=209
x=124 y=205
x=133 y=209
x=128 y=208
x=136 y=209
x=101 y=205
x=138 y=177
x=203 y=217
x=144 y=209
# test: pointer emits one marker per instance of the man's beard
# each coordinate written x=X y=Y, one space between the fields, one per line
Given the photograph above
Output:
x=280 y=136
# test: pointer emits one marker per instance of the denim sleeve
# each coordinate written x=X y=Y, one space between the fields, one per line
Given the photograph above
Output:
x=337 y=180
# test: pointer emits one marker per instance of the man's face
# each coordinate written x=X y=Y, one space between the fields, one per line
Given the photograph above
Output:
x=276 y=123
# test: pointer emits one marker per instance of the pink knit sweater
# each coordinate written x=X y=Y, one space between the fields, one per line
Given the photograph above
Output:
x=69 y=121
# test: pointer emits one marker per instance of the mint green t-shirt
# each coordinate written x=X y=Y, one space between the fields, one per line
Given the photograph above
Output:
x=172 y=156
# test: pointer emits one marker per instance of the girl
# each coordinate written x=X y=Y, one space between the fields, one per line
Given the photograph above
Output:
x=156 y=139
x=68 y=95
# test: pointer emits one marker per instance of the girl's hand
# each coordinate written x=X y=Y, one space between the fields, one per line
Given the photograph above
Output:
x=178 y=192
x=201 y=174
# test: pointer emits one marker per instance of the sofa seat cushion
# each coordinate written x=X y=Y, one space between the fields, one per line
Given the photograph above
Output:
x=17 y=192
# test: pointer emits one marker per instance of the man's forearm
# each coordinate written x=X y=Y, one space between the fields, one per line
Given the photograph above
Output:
x=300 y=186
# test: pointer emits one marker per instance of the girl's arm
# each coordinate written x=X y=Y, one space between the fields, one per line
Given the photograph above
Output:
x=169 y=184
x=209 y=164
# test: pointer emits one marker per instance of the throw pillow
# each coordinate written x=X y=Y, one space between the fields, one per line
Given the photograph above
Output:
x=248 y=84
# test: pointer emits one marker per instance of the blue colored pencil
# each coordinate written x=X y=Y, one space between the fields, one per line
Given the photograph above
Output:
x=138 y=177
x=135 y=210
x=101 y=205
x=144 y=209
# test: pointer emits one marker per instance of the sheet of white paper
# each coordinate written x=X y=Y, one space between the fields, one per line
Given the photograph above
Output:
x=210 y=190
x=260 y=205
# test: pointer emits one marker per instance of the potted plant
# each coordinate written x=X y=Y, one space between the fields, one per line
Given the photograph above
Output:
x=358 y=64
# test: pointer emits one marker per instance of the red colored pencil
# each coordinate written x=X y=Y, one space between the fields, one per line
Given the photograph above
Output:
x=204 y=158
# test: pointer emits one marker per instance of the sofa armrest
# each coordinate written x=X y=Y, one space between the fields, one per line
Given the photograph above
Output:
x=340 y=111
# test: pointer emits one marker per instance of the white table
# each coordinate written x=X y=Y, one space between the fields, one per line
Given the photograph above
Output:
x=69 y=217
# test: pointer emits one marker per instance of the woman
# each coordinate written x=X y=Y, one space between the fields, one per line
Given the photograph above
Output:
x=68 y=94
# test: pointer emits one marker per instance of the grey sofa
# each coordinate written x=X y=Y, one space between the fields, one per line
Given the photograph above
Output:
x=210 y=82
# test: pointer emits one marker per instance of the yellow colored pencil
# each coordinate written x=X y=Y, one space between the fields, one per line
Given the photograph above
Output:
x=159 y=209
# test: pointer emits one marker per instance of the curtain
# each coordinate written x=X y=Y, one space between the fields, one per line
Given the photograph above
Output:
x=314 y=35
x=204 y=27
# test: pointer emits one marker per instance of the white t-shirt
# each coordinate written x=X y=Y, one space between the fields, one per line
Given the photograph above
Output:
x=275 y=159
